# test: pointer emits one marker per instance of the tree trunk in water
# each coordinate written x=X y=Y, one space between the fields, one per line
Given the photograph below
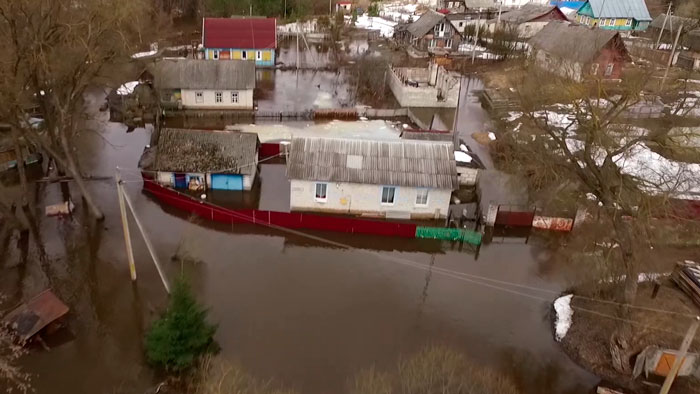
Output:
x=73 y=169
x=20 y=168
x=621 y=349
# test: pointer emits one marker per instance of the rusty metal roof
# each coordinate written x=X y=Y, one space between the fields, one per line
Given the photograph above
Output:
x=32 y=316
x=400 y=163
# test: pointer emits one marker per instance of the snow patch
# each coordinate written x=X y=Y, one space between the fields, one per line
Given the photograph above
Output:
x=565 y=314
x=492 y=136
x=462 y=157
x=127 y=88
x=385 y=27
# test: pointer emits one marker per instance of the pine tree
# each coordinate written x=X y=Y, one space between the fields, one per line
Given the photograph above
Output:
x=181 y=334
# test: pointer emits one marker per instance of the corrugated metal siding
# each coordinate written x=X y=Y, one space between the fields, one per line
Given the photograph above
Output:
x=400 y=163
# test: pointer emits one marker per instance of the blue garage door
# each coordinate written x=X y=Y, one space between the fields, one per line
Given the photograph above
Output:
x=226 y=182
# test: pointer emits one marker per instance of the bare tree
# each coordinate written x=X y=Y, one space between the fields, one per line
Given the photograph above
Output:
x=56 y=50
x=576 y=146
x=11 y=374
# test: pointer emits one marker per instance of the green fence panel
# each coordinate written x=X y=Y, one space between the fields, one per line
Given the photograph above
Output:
x=449 y=234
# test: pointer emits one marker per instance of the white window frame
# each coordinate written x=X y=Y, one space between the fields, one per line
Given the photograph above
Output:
x=393 y=197
x=198 y=97
x=419 y=195
x=216 y=54
x=235 y=97
x=325 y=192
x=244 y=54
x=628 y=22
x=218 y=97
x=609 y=68
x=594 y=68
x=448 y=43
x=258 y=55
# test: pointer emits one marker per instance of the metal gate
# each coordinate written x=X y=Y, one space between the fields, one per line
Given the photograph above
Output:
x=514 y=216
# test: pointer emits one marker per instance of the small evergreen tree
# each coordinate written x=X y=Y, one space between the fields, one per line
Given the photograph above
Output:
x=181 y=334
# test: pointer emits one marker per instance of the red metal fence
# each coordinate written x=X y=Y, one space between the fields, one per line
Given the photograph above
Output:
x=292 y=220
x=514 y=216
x=269 y=149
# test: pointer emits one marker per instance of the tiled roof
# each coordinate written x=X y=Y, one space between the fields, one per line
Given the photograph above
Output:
x=242 y=33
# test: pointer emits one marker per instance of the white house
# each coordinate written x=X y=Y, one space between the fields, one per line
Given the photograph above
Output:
x=203 y=159
x=202 y=84
x=393 y=178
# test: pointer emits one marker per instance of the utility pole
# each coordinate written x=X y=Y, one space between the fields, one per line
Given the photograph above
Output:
x=125 y=227
x=285 y=10
x=298 y=55
x=476 y=38
x=658 y=40
x=149 y=245
x=670 y=59
x=498 y=21
x=680 y=357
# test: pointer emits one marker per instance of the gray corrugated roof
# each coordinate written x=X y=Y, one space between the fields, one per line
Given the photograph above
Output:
x=204 y=74
x=556 y=38
x=186 y=150
x=474 y=4
x=425 y=23
x=527 y=13
x=426 y=136
x=399 y=163
x=674 y=22
x=636 y=9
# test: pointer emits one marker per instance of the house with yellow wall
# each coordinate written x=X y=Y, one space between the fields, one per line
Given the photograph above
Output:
x=614 y=14
x=252 y=39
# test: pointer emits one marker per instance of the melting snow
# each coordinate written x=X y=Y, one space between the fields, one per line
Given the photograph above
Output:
x=385 y=27
x=143 y=54
x=127 y=88
x=562 y=323
x=462 y=157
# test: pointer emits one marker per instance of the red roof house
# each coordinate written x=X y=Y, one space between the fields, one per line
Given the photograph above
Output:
x=252 y=39
x=239 y=33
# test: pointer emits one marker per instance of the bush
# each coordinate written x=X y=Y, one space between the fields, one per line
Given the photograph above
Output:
x=435 y=369
x=181 y=334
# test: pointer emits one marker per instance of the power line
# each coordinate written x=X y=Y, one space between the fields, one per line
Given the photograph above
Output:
x=476 y=279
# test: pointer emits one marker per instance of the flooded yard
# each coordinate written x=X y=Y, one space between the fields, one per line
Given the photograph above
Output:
x=306 y=311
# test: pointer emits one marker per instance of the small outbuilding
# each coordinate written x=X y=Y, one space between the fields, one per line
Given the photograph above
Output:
x=597 y=53
x=392 y=178
x=198 y=160
x=529 y=19
x=689 y=58
x=40 y=314
x=201 y=84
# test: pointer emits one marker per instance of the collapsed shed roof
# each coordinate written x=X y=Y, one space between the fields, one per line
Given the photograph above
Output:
x=204 y=74
x=187 y=150
x=399 y=163
x=556 y=38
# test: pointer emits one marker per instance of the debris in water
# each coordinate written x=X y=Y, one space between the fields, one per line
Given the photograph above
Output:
x=562 y=306
x=64 y=208
x=492 y=136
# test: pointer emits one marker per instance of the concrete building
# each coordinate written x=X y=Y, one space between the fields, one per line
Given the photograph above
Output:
x=203 y=84
x=199 y=160
x=425 y=87
x=251 y=39
x=625 y=15
x=598 y=53
x=529 y=19
x=391 y=179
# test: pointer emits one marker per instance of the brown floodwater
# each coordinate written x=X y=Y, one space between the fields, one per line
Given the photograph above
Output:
x=288 y=307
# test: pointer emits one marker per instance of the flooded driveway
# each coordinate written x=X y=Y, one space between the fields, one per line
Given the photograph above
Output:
x=297 y=309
